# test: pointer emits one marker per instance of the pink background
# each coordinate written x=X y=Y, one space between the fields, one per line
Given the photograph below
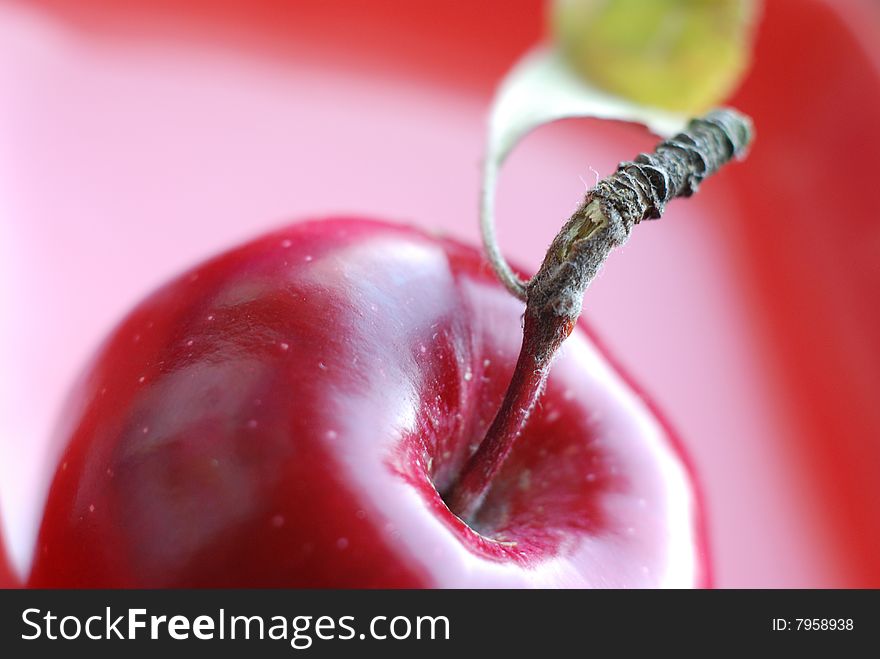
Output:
x=134 y=142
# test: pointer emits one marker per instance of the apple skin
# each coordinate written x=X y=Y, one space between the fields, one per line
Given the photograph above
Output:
x=7 y=575
x=279 y=417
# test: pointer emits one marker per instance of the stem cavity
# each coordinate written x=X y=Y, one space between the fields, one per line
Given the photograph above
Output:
x=638 y=190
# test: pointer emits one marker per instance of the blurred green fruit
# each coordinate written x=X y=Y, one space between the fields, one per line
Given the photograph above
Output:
x=684 y=55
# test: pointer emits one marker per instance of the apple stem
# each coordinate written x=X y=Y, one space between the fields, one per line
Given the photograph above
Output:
x=526 y=385
x=637 y=191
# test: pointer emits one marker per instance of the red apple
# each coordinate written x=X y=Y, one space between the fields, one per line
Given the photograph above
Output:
x=292 y=412
x=7 y=575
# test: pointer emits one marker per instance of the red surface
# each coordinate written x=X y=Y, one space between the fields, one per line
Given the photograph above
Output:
x=748 y=312
x=814 y=249
x=7 y=578
x=285 y=415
